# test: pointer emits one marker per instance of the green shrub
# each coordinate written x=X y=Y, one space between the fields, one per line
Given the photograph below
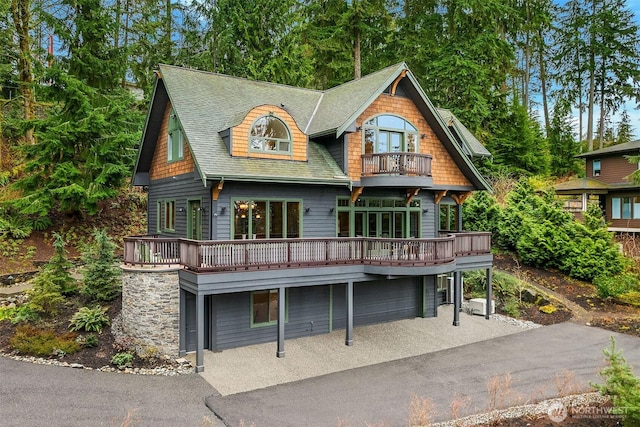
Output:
x=621 y=385
x=512 y=307
x=59 y=266
x=101 y=277
x=89 y=319
x=43 y=343
x=90 y=340
x=122 y=359
x=24 y=313
x=631 y=298
x=548 y=309
x=45 y=296
x=7 y=313
x=612 y=286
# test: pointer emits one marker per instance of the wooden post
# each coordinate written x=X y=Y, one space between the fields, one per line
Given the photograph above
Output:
x=200 y=332
x=349 y=303
x=281 y=319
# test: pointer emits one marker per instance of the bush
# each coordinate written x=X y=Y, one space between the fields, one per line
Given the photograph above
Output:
x=101 y=276
x=59 y=267
x=45 y=296
x=621 y=385
x=24 y=313
x=90 y=340
x=89 y=319
x=548 y=309
x=43 y=343
x=122 y=359
x=631 y=298
x=612 y=286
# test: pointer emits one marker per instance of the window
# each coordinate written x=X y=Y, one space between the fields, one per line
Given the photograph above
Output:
x=596 y=168
x=264 y=307
x=266 y=219
x=389 y=134
x=159 y=217
x=270 y=134
x=169 y=215
x=448 y=217
x=175 y=139
x=375 y=217
x=621 y=207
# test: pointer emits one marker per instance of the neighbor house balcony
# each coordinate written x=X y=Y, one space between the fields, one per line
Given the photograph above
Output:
x=396 y=170
x=243 y=255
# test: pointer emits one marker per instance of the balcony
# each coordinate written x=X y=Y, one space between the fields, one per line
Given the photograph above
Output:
x=397 y=169
x=245 y=255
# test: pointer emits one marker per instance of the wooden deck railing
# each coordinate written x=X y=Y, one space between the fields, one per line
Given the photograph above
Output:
x=235 y=255
x=396 y=164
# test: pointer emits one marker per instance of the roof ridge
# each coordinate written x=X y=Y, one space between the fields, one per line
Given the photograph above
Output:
x=245 y=79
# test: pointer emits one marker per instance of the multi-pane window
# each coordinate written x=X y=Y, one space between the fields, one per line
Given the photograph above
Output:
x=266 y=219
x=389 y=134
x=625 y=207
x=270 y=134
x=596 y=167
x=374 y=217
x=175 y=139
x=264 y=307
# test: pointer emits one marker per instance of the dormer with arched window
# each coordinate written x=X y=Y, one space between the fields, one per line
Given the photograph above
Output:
x=268 y=131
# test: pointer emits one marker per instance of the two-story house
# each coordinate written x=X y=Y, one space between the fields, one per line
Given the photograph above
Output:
x=608 y=183
x=280 y=211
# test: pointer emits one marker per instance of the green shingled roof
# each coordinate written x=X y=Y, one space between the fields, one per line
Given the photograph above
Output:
x=208 y=103
x=470 y=142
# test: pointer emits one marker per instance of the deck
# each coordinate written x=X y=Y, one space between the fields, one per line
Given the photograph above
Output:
x=242 y=255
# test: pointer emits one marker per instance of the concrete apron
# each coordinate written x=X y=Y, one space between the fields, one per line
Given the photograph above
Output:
x=249 y=368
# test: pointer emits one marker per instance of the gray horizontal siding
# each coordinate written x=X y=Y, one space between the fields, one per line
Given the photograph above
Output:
x=376 y=302
x=308 y=314
x=180 y=189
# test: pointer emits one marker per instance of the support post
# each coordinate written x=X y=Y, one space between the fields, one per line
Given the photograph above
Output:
x=200 y=332
x=457 y=298
x=459 y=217
x=281 y=313
x=487 y=314
x=182 y=346
x=349 y=303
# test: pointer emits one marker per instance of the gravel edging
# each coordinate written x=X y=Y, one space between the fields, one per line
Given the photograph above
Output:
x=183 y=368
x=543 y=408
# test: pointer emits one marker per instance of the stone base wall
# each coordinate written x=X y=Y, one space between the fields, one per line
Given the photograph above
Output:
x=151 y=308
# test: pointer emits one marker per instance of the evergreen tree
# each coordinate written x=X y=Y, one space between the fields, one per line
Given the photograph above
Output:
x=101 y=277
x=562 y=145
x=83 y=152
x=624 y=132
x=260 y=39
x=59 y=267
x=517 y=142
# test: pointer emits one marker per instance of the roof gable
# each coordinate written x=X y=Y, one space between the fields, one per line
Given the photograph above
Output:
x=209 y=103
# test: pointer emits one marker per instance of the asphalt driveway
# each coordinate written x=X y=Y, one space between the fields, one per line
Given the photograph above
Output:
x=381 y=394
x=38 y=395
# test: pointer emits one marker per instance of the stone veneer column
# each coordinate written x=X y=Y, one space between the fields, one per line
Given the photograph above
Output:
x=151 y=308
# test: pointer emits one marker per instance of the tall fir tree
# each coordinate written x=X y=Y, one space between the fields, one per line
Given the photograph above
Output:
x=562 y=145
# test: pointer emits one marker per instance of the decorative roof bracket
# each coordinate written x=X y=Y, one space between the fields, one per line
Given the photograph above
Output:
x=355 y=193
x=439 y=195
x=411 y=193
x=394 y=85
x=217 y=189
x=460 y=198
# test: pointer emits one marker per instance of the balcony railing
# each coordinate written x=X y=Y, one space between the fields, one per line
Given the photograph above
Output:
x=396 y=164
x=239 y=255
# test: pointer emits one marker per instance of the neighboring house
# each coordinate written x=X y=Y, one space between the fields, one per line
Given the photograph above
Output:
x=607 y=183
x=283 y=211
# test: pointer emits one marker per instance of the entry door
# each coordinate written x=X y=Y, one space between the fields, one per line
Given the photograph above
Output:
x=380 y=224
x=194 y=222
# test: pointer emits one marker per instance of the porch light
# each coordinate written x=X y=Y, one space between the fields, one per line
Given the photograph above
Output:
x=223 y=210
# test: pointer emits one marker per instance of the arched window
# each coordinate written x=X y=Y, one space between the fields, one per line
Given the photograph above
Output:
x=389 y=134
x=270 y=134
